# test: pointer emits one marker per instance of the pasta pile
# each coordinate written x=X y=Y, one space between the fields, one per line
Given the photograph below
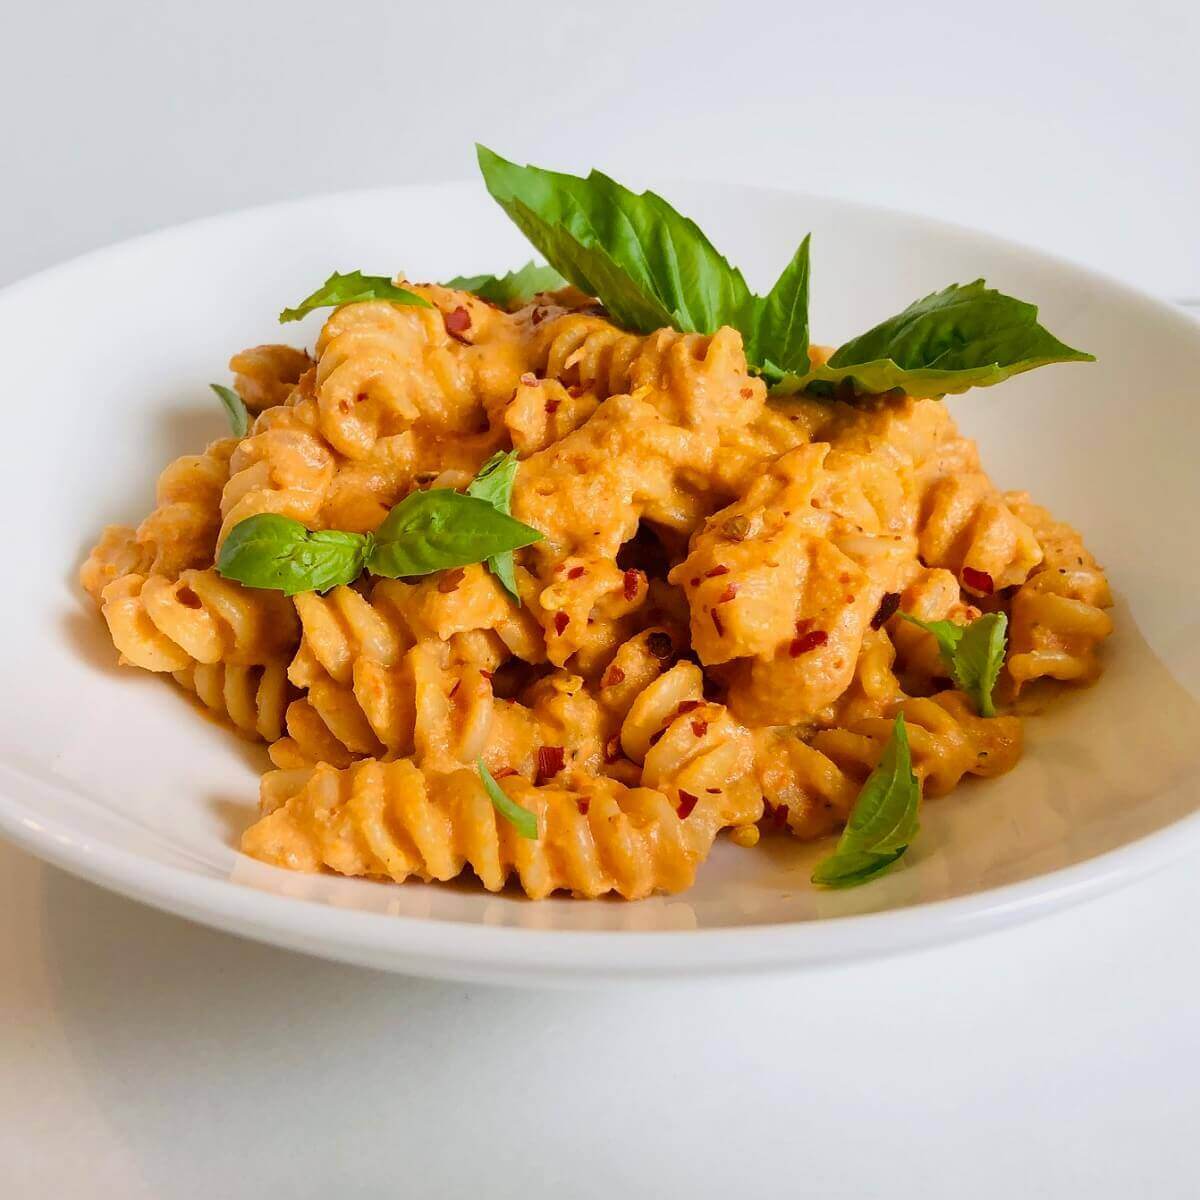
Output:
x=709 y=635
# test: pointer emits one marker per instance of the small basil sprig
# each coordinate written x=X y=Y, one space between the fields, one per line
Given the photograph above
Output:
x=513 y=290
x=650 y=266
x=967 y=335
x=519 y=817
x=494 y=483
x=439 y=529
x=353 y=288
x=270 y=551
x=973 y=654
x=883 y=821
x=426 y=532
x=235 y=409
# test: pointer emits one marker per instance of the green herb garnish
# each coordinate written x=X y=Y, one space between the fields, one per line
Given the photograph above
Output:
x=513 y=290
x=494 y=483
x=341 y=289
x=650 y=266
x=235 y=409
x=967 y=335
x=439 y=529
x=973 y=654
x=883 y=821
x=520 y=818
x=426 y=532
x=270 y=551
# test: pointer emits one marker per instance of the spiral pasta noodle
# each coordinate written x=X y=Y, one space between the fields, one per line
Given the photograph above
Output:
x=264 y=376
x=250 y=698
x=160 y=624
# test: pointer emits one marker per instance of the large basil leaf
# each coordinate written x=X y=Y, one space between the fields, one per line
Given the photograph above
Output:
x=967 y=335
x=440 y=528
x=341 y=289
x=270 y=551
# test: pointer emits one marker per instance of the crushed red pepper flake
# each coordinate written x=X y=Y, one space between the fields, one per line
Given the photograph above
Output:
x=454 y=689
x=713 y=791
x=886 y=610
x=613 y=676
x=810 y=641
x=582 y=805
x=504 y=772
x=486 y=674
x=449 y=580
x=686 y=803
x=561 y=621
x=630 y=582
x=728 y=594
x=716 y=620
x=746 y=393
x=457 y=322
x=576 y=573
x=699 y=728
x=719 y=569
x=981 y=581
x=552 y=406
x=694 y=582
x=550 y=760
x=687 y=706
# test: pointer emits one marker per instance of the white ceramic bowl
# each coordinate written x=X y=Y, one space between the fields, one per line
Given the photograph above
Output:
x=111 y=773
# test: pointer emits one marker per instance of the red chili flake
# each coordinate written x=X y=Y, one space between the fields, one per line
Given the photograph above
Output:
x=728 y=594
x=561 y=621
x=612 y=677
x=582 y=805
x=612 y=748
x=886 y=610
x=716 y=620
x=552 y=406
x=848 y=599
x=454 y=689
x=537 y=316
x=721 y=569
x=713 y=791
x=803 y=625
x=747 y=393
x=486 y=674
x=450 y=580
x=686 y=803
x=699 y=728
x=810 y=641
x=659 y=644
x=361 y=397
x=688 y=706
x=576 y=573
x=457 y=322
x=550 y=760
x=504 y=772
x=695 y=582
x=843 y=578
x=981 y=581
x=630 y=582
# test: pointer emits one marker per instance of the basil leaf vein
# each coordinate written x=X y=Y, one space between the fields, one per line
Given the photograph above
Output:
x=439 y=529
x=271 y=551
x=353 y=288
x=235 y=409
x=494 y=483
x=883 y=821
x=519 y=817
x=973 y=654
x=513 y=290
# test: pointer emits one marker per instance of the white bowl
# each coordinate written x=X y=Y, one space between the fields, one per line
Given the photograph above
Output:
x=111 y=774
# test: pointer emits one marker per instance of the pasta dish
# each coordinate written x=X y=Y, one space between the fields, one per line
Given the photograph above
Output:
x=555 y=577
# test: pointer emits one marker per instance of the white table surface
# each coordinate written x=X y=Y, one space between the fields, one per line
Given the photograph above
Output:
x=141 y=1056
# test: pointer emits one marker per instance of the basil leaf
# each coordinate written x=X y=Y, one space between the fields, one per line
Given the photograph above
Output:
x=967 y=335
x=494 y=483
x=520 y=818
x=649 y=265
x=235 y=409
x=777 y=338
x=973 y=654
x=513 y=290
x=270 y=551
x=883 y=821
x=341 y=289
x=440 y=528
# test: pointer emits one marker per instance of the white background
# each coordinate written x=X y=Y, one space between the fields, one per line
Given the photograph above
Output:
x=144 y=1057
